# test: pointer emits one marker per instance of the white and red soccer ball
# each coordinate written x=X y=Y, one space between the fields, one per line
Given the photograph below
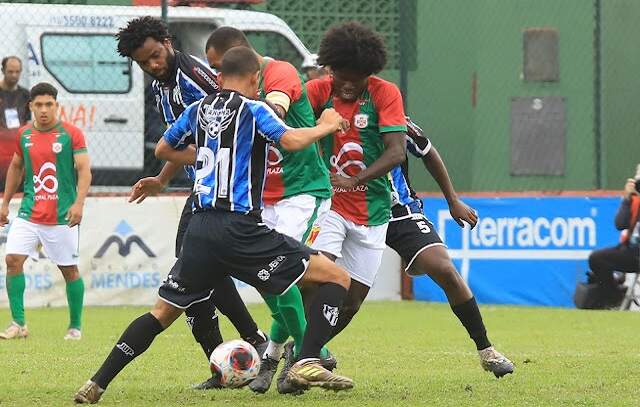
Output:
x=235 y=363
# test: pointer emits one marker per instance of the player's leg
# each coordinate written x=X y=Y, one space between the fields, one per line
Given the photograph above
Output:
x=362 y=253
x=22 y=241
x=273 y=263
x=227 y=300
x=418 y=243
x=133 y=342
x=298 y=217
x=333 y=285
x=181 y=289
x=61 y=242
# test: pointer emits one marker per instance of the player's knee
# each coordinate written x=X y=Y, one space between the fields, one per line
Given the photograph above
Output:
x=446 y=275
x=595 y=260
x=165 y=313
x=70 y=273
x=14 y=263
x=341 y=277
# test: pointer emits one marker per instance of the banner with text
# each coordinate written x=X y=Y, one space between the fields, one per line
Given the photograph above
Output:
x=126 y=251
x=529 y=251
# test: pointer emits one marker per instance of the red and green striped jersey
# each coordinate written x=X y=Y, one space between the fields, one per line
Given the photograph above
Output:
x=379 y=110
x=292 y=173
x=49 y=171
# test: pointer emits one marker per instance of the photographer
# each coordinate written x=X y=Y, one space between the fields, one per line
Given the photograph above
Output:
x=623 y=257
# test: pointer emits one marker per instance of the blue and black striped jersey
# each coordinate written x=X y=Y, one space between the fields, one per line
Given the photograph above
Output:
x=401 y=192
x=231 y=134
x=190 y=81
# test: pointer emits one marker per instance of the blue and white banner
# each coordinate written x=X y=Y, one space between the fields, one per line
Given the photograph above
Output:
x=529 y=251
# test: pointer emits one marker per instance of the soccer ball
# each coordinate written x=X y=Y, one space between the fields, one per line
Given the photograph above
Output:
x=235 y=363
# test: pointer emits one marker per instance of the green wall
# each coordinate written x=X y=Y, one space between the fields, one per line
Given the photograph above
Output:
x=620 y=91
x=458 y=38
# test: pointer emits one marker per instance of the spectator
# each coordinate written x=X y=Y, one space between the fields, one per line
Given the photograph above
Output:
x=14 y=99
x=623 y=257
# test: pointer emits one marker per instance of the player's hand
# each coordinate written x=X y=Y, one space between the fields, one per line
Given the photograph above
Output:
x=339 y=181
x=4 y=215
x=460 y=211
x=630 y=188
x=74 y=215
x=333 y=120
x=149 y=186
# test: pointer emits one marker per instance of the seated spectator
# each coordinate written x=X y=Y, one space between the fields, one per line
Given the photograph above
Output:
x=623 y=257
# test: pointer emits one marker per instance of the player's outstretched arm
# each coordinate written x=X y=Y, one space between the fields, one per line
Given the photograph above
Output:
x=15 y=173
x=458 y=209
x=297 y=139
x=151 y=186
x=185 y=156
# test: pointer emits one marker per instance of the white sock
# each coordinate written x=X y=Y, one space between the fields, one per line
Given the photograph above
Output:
x=274 y=350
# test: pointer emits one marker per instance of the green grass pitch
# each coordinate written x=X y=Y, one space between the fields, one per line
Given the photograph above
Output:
x=398 y=353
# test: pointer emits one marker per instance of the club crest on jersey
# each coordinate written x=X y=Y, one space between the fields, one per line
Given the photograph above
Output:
x=361 y=120
x=56 y=147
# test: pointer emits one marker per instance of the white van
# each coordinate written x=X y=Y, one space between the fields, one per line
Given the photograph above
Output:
x=73 y=48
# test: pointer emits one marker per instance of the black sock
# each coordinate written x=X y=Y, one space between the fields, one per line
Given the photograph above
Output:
x=205 y=327
x=228 y=301
x=134 y=341
x=323 y=317
x=469 y=314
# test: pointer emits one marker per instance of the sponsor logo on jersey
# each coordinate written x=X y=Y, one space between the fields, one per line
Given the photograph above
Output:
x=330 y=314
x=56 y=147
x=349 y=157
x=44 y=181
x=274 y=158
x=361 y=120
x=124 y=238
x=202 y=74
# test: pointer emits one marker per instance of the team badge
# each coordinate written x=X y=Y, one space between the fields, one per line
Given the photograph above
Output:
x=56 y=147
x=361 y=120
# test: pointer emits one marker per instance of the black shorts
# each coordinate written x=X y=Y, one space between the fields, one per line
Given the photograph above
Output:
x=219 y=244
x=410 y=235
x=185 y=217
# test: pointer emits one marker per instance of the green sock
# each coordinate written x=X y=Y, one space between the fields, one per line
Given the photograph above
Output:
x=15 y=291
x=279 y=332
x=292 y=309
x=75 y=296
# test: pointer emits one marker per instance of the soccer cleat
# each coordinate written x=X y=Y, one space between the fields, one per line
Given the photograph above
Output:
x=493 y=361
x=284 y=386
x=309 y=373
x=329 y=362
x=209 y=384
x=262 y=382
x=73 y=334
x=89 y=393
x=14 y=331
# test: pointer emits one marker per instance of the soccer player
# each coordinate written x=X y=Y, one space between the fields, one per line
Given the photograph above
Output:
x=415 y=239
x=180 y=80
x=297 y=197
x=359 y=160
x=226 y=235
x=49 y=153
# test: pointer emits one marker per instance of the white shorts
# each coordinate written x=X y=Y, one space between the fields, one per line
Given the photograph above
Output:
x=358 y=248
x=299 y=216
x=60 y=242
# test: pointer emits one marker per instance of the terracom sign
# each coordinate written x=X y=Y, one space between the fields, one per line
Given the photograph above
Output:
x=523 y=250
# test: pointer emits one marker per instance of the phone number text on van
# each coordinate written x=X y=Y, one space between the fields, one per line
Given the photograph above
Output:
x=83 y=21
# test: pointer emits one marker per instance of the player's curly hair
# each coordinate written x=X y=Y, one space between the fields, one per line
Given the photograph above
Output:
x=354 y=47
x=131 y=37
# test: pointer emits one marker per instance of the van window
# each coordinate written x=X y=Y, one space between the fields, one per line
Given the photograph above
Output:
x=86 y=63
x=274 y=45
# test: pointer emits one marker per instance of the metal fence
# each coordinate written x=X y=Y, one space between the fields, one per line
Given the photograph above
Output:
x=517 y=95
